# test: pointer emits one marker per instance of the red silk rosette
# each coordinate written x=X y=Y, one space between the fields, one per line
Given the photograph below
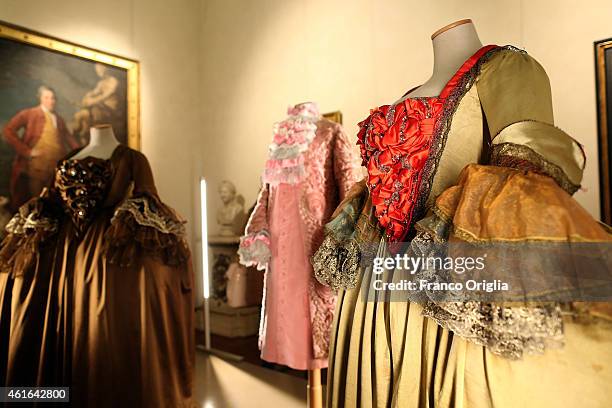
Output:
x=395 y=141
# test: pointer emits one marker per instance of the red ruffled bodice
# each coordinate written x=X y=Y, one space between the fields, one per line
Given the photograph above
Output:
x=395 y=141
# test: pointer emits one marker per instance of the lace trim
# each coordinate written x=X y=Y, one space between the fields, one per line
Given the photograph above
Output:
x=254 y=250
x=22 y=222
x=506 y=331
x=280 y=175
x=437 y=228
x=143 y=226
x=335 y=264
x=322 y=305
x=27 y=231
x=145 y=214
x=284 y=152
x=523 y=158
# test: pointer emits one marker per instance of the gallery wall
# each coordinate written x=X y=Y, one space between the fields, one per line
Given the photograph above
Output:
x=259 y=57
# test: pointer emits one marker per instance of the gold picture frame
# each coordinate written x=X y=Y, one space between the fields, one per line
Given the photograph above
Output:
x=131 y=66
x=603 y=76
x=335 y=116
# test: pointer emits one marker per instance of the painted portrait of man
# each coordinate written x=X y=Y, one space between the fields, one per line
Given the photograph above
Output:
x=40 y=138
x=49 y=99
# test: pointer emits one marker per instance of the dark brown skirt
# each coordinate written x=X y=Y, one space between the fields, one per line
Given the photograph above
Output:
x=116 y=335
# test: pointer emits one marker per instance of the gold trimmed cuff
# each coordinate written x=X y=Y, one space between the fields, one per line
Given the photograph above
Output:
x=546 y=147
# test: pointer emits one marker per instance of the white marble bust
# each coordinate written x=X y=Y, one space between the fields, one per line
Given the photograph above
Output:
x=231 y=216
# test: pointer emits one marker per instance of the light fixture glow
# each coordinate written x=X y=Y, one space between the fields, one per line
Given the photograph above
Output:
x=204 y=240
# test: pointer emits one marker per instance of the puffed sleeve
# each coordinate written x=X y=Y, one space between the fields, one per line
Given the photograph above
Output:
x=28 y=230
x=255 y=243
x=515 y=95
x=531 y=161
x=344 y=169
x=143 y=225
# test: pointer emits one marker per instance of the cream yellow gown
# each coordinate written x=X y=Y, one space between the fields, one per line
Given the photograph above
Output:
x=483 y=162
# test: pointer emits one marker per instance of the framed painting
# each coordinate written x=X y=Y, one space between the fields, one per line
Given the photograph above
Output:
x=51 y=92
x=603 y=75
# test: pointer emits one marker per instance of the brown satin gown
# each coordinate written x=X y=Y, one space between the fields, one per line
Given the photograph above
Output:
x=96 y=289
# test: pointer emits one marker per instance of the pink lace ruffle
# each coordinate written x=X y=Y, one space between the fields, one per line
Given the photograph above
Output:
x=291 y=139
x=294 y=130
x=285 y=163
x=255 y=250
x=293 y=175
x=304 y=109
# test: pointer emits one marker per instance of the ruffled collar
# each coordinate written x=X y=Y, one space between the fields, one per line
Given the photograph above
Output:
x=395 y=143
x=291 y=138
x=306 y=109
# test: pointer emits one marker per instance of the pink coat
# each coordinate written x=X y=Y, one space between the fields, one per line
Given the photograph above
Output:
x=309 y=171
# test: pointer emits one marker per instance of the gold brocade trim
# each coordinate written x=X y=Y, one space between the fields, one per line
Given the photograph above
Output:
x=514 y=156
x=605 y=227
x=470 y=237
x=140 y=209
x=434 y=227
x=442 y=215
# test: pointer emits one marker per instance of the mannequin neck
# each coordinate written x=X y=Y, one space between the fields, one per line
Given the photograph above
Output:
x=453 y=47
x=102 y=136
x=102 y=144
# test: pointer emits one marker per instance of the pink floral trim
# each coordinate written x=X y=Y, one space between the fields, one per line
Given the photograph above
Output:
x=304 y=109
x=285 y=163
x=295 y=130
x=255 y=250
x=250 y=239
x=284 y=175
x=291 y=139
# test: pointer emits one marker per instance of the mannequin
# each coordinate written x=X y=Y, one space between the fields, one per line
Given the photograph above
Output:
x=452 y=45
x=102 y=143
x=307 y=150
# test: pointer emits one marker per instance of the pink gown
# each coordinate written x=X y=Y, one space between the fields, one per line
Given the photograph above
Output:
x=308 y=173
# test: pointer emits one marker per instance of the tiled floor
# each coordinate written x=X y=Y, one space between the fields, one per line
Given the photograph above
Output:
x=224 y=384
